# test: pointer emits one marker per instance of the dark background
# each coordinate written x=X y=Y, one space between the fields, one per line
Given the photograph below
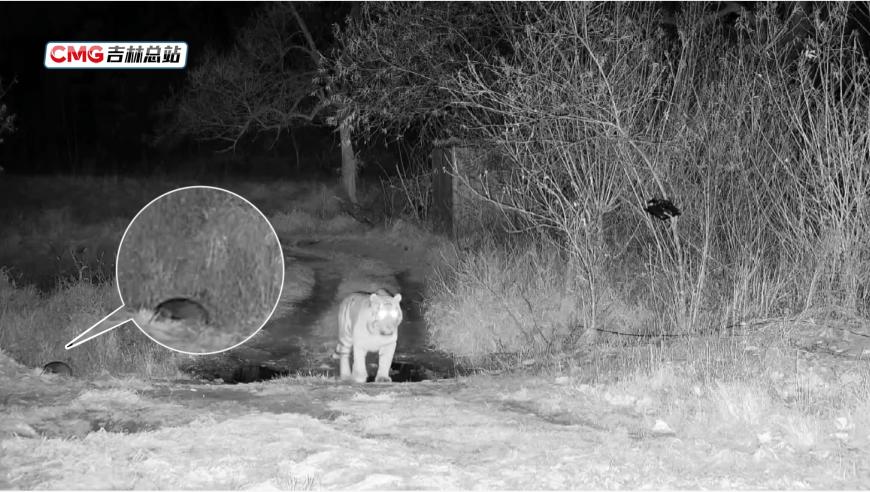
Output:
x=93 y=122
x=103 y=121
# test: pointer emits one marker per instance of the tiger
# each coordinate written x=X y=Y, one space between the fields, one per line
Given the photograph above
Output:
x=368 y=323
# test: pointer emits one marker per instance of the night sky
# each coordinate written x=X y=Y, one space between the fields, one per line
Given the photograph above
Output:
x=96 y=120
x=102 y=121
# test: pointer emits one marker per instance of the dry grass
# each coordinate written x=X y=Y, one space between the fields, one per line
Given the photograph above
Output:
x=300 y=222
x=65 y=227
x=37 y=320
x=206 y=245
x=34 y=328
x=756 y=394
x=767 y=162
x=764 y=152
x=364 y=275
x=500 y=301
x=298 y=284
x=314 y=212
x=753 y=389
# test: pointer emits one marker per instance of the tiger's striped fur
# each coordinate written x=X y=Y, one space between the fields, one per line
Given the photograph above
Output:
x=367 y=323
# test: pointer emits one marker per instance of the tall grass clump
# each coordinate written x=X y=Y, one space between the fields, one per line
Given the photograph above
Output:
x=511 y=298
x=758 y=135
x=34 y=328
x=207 y=245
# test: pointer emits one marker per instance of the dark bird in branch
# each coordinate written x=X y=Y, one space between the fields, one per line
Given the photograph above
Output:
x=661 y=208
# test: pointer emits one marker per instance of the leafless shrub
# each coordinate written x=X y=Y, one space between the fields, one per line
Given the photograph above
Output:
x=762 y=144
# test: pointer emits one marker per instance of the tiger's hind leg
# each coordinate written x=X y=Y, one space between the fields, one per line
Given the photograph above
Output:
x=385 y=360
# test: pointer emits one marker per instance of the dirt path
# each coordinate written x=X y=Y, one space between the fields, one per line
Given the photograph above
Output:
x=302 y=339
x=313 y=432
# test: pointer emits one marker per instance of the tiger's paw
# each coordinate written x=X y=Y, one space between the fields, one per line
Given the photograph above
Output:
x=357 y=378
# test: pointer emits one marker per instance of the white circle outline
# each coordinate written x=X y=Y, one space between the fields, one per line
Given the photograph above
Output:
x=280 y=251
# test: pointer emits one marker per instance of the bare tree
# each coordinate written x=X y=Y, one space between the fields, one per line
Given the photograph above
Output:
x=267 y=84
x=395 y=63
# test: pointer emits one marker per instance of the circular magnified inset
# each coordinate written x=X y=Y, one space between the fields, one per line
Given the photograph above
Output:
x=200 y=270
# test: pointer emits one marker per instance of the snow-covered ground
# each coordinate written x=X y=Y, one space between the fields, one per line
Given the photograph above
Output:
x=472 y=433
x=665 y=426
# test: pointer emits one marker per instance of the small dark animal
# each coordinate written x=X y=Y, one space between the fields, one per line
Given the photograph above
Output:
x=661 y=208
x=57 y=367
x=181 y=309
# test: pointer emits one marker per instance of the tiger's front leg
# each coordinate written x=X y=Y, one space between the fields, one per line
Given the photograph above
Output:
x=360 y=374
x=385 y=360
x=344 y=367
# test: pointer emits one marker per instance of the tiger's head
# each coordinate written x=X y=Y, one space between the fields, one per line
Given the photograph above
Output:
x=386 y=313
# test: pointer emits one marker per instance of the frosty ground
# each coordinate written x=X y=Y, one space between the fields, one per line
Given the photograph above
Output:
x=775 y=406
x=471 y=433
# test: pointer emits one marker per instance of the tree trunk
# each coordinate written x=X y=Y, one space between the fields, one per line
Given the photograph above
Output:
x=348 y=162
x=348 y=158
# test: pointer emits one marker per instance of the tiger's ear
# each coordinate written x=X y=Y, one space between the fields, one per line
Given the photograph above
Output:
x=397 y=297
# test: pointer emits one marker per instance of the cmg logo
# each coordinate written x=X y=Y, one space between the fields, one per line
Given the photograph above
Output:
x=115 y=54
x=61 y=53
